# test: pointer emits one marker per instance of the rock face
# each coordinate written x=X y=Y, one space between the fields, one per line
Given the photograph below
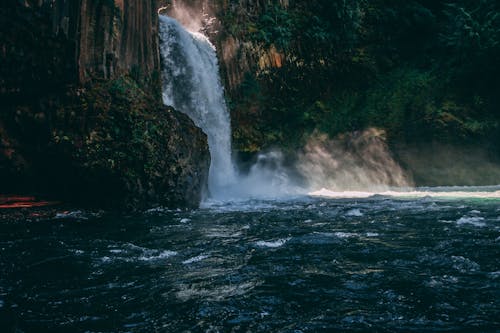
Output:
x=100 y=38
x=244 y=61
x=119 y=38
x=81 y=117
x=238 y=55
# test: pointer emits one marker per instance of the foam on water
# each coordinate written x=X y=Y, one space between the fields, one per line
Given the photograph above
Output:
x=132 y=253
x=161 y=255
x=195 y=259
x=472 y=220
x=341 y=234
x=491 y=192
x=354 y=212
x=273 y=244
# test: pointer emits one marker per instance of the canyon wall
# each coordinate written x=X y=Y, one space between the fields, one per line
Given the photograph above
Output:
x=81 y=117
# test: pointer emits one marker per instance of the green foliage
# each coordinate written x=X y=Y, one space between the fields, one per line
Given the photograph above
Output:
x=276 y=26
x=421 y=69
x=472 y=31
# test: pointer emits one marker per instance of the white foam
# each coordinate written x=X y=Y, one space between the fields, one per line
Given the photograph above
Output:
x=161 y=255
x=195 y=259
x=132 y=253
x=354 y=212
x=432 y=193
x=105 y=259
x=494 y=275
x=345 y=234
x=273 y=244
x=472 y=220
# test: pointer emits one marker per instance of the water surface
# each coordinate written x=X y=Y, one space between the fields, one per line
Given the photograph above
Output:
x=377 y=264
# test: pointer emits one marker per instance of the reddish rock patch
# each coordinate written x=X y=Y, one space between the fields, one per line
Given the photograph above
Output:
x=16 y=201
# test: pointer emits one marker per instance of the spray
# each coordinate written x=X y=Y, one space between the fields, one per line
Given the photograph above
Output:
x=191 y=84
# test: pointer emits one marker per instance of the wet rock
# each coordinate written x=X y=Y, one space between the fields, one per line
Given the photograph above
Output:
x=82 y=119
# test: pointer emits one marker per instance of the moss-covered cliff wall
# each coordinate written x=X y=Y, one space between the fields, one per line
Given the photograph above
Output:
x=422 y=70
x=81 y=116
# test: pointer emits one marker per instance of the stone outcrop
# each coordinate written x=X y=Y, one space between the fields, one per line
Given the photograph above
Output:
x=81 y=117
x=99 y=38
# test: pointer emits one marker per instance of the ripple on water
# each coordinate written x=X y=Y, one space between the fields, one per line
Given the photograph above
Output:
x=472 y=220
x=273 y=244
x=193 y=260
x=154 y=255
x=440 y=282
x=214 y=293
x=341 y=234
x=132 y=253
x=464 y=265
x=275 y=270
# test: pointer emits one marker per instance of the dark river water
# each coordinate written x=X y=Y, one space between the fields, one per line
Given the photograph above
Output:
x=377 y=264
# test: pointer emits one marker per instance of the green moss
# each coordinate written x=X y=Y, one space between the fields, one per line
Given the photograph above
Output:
x=126 y=148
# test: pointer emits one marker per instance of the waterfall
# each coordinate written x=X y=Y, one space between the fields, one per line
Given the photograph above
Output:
x=191 y=84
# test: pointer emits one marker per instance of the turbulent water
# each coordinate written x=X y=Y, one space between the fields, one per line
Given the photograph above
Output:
x=307 y=264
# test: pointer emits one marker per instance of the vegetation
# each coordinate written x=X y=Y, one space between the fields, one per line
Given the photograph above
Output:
x=422 y=69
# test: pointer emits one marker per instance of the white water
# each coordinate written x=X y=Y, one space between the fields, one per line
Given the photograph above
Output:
x=191 y=84
x=472 y=192
x=358 y=165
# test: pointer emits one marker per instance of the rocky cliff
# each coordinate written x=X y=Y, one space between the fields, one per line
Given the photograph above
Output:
x=425 y=72
x=81 y=116
x=245 y=61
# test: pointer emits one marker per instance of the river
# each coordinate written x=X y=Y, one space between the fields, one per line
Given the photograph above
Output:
x=304 y=264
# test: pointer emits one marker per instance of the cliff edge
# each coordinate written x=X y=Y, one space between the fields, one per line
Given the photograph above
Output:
x=81 y=117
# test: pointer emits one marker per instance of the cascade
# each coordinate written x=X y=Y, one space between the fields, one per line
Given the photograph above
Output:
x=191 y=84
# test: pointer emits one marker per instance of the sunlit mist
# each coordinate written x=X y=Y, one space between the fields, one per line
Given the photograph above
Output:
x=193 y=18
x=359 y=160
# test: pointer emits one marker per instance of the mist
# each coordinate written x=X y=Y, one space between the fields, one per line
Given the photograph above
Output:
x=355 y=161
x=450 y=165
x=195 y=17
x=358 y=161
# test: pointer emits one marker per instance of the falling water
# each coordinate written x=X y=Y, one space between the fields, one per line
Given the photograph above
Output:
x=191 y=84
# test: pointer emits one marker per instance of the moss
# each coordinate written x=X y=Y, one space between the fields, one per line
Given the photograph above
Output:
x=130 y=142
x=111 y=145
